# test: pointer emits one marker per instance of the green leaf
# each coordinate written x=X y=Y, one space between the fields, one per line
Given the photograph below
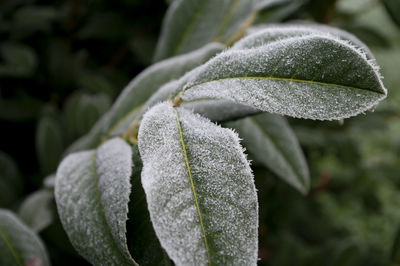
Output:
x=95 y=83
x=92 y=193
x=199 y=189
x=190 y=24
x=142 y=240
x=10 y=181
x=277 y=10
x=49 y=143
x=19 y=60
x=271 y=142
x=18 y=244
x=36 y=210
x=89 y=109
x=34 y=18
x=140 y=89
x=294 y=76
x=393 y=8
x=267 y=4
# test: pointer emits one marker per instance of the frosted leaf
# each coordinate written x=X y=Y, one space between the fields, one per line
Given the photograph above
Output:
x=92 y=193
x=271 y=142
x=314 y=77
x=138 y=91
x=36 y=211
x=219 y=110
x=199 y=189
x=19 y=245
x=262 y=34
x=142 y=240
x=190 y=24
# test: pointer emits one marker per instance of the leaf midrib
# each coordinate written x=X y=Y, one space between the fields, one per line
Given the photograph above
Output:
x=284 y=79
x=11 y=247
x=188 y=168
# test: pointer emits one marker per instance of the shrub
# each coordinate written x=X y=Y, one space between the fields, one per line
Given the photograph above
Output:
x=164 y=175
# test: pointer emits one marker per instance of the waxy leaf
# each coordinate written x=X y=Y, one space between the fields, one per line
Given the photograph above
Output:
x=139 y=90
x=36 y=210
x=199 y=189
x=19 y=245
x=49 y=143
x=190 y=24
x=271 y=142
x=314 y=77
x=92 y=193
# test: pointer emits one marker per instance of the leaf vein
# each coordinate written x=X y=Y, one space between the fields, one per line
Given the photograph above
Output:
x=192 y=183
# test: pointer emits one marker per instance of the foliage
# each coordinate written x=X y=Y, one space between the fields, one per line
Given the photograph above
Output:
x=151 y=179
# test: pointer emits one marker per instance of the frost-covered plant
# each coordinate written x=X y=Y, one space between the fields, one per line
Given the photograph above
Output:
x=159 y=141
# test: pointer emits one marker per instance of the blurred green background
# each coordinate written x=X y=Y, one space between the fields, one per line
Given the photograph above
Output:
x=62 y=63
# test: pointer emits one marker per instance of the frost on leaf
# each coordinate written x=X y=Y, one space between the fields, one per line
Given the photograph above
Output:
x=92 y=193
x=220 y=110
x=199 y=189
x=271 y=142
x=313 y=76
x=262 y=34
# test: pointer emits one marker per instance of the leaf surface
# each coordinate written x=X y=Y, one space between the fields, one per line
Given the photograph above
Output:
x=19 y=245
x=36 y=210
x=199 y=189
x=296 y=76
x=271 y=141
x=190 y=24
x=92 y=193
